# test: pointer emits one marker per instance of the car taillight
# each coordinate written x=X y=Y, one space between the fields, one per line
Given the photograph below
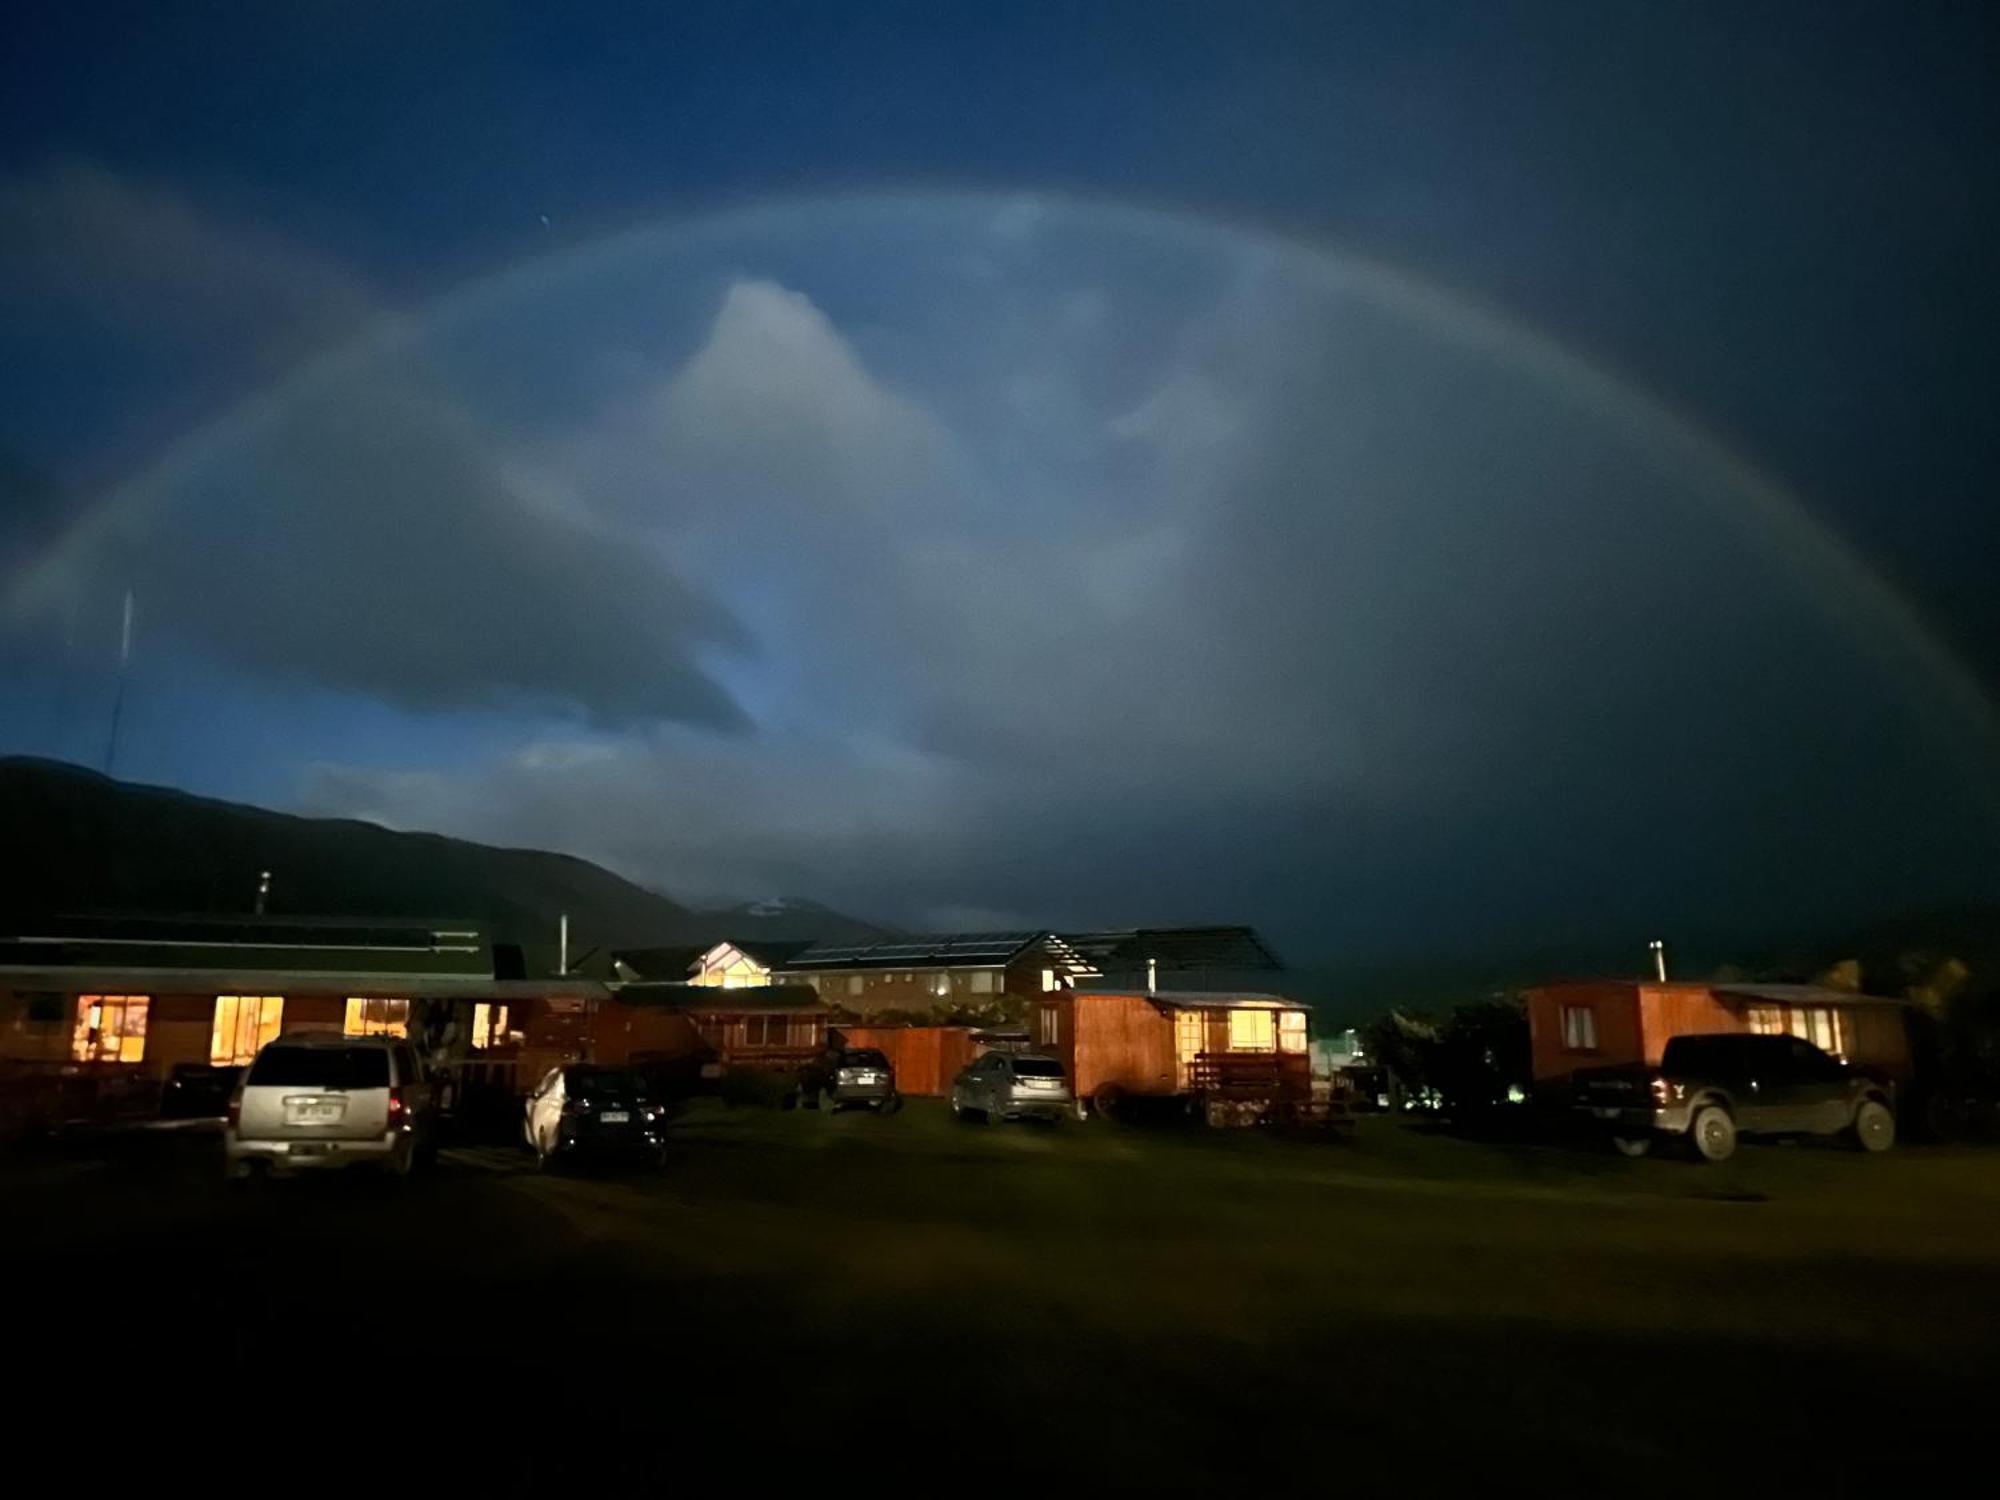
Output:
x=396 y=1109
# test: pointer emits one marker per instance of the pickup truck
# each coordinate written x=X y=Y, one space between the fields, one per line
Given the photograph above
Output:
x=1710 y=1089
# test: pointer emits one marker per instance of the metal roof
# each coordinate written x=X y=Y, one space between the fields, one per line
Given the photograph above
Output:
x=1800 y=994
x=715 y=1000
x=112 y=979
x=89 y=944
x=1128 y=949
x=1199 y=999
x=971 y=950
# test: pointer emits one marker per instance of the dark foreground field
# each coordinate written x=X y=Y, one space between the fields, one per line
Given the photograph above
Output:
x=860 y=1304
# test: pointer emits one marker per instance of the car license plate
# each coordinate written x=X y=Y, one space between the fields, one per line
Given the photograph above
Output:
x=314 y=1111
x=615 y=1116
x=1041 y=1083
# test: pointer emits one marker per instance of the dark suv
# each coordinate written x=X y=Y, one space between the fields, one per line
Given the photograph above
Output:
x=1709 y=1089
x=841 y=1076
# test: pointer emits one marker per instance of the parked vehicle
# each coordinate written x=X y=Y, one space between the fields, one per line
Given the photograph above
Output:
x=1710 y=1089
x=1012 y=1086
x=581 y=1112
x=841 y=1076
x=312 y=1101
x=198 y=1091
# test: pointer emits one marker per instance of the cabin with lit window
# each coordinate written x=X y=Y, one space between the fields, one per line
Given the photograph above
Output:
x=1236 y=1058
x=707 y=1030
x=1601 y=1023
x=918 y=975
x=743 y=963
x=96 y=1006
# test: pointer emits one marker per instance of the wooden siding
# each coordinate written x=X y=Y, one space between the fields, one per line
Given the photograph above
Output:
x=926 y=1058
x=1614 y=1004
x=1636 y=1020
x=1670 y=1010
x=1124 y=1041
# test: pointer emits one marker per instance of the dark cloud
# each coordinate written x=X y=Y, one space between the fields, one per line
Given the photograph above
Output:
x=361 y=536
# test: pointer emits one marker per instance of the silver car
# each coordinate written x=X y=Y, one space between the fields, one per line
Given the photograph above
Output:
x=1012 y=1086
x=315 y=1100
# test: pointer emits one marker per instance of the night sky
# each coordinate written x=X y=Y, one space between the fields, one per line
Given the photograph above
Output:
x=1418 y=478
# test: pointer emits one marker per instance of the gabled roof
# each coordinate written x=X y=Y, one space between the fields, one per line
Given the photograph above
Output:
x=765 y=952
x=1128 y=949
x=968 y=950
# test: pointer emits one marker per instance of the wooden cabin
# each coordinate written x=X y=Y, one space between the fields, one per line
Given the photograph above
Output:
x=97 y=1012
x=1238 y=1057
x=1600 y=1023
x=709 y=1030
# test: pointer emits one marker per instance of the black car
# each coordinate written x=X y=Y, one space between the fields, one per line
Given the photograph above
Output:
x=841 y=1076
x=581 y=1112
x=1710 y=1089
x=197 y=1091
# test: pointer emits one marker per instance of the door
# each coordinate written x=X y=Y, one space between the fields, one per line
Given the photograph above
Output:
x=1815 y=1089
x=1761 y=1071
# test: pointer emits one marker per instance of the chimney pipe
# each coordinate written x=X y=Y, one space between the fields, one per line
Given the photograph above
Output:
x=1659 y=948
x=562 y=944
x=1152 y=975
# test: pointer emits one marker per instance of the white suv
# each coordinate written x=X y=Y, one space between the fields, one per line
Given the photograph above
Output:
x=316 y=1099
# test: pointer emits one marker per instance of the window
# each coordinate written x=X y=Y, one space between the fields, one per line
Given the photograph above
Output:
x=243 y=1024
x=1291 y=1031
x=1579 y=1028
x=321 y=1068
x=982 y=981
x=1253 y=1031
x=854 y=983
x=110 y=1028
x=1048 y=980
x=1822 y=1025
x=489 y=1026
x=941 y=983
x=377 y=1018
x=766 y=1031
x=1051 y=1028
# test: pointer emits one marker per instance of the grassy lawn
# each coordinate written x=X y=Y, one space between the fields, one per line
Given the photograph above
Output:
x=1167 y=1306
x=1125 y=1307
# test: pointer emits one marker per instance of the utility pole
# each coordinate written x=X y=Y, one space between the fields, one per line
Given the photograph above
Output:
x=118 y=698
x=263 y=890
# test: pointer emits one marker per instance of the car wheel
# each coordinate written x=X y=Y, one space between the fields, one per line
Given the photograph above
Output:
x=1107 y=1102
x=829 y=1102
x=993 y=1116
x=1713 y=1133
x=891 y=1105
x=1874 y=1126
x=1632 y=1145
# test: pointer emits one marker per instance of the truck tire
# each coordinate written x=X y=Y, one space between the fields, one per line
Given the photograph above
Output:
x=1107 y=1102
x=1874 y=1126
x=1712 y=1133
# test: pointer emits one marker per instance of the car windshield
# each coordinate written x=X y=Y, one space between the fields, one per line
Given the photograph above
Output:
x=1037 y=1067
x=321 y=1068
x=863 y=1057
x=595 y=1083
